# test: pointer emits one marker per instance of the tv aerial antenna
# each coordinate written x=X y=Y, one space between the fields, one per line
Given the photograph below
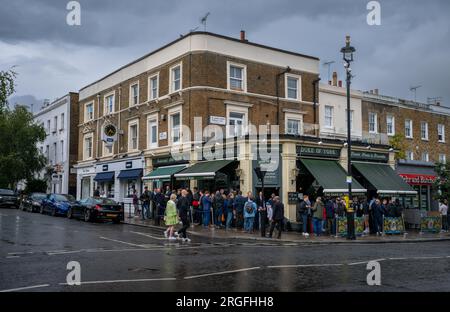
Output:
x=414 y=89
x=328 y=65
x=204 y=19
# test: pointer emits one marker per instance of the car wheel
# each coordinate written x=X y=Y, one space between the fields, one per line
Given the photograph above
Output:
x=87 y=215
x=41 y=210
x=116 y=220
x=54 y=212
x=69 y=213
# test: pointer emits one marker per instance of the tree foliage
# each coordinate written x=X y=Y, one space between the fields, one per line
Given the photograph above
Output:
x=36 y=185
x=398 y=143
x=19 y=157
x=7 y=87
x=442 y=184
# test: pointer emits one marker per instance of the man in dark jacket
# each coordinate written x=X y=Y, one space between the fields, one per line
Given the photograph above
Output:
x=160 y=205
x=378 y=212
x=278 y=217
x=304 y=210
x=183 y=212
x=218 y=208
x=239 y=204
x=330 y=216
x=261 y=206
x=145 y=198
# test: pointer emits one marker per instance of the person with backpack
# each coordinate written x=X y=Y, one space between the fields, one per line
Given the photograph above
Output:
x=249 y=214
x=277 y=217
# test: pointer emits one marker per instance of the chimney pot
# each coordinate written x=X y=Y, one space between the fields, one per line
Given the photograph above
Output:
x=340 y=83
x=329 y=82
x=243 y=35
x=335 y=79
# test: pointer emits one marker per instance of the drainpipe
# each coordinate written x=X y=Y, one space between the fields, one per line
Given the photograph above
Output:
x=315 y=83
x=277 y=90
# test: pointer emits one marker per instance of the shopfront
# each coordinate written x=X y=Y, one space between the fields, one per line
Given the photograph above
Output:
x=118 y=179
x=374 y=173
x=421 y=177
x=320 y=173
x=85 y=181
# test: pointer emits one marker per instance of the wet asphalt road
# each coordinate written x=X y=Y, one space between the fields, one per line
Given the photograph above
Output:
x=35 y=250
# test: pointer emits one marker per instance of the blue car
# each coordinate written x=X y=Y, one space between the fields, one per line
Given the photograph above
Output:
x=59 y=204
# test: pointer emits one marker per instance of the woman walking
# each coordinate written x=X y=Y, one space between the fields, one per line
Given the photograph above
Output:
x=170 y=217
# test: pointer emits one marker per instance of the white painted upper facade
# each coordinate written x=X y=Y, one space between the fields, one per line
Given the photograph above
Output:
x=333 y=112
x=55 y=119
x=201 y=42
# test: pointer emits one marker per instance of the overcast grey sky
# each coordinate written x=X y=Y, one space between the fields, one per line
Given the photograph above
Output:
x=411 y=47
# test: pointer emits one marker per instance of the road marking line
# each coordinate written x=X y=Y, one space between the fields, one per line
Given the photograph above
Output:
x=20 y=253
x=64 y=252
x=125 y=281
x=24 y=288
x=148 y=235
x=420 y=258
x=358 y=263
x=222 y=273
x=122 y=242
x=302 y=265
x=11 y=257
x=399 y=258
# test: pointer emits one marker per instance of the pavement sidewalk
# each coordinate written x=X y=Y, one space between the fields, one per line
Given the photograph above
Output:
x=294 y=237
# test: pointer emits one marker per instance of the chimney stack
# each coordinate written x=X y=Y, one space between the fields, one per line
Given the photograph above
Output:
x=243 y=39
x=340 y=83
x=371 y=91
x=335 y=79
x=375 y=91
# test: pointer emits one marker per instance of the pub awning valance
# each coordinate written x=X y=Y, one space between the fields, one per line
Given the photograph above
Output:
x=384 y=179
x=164 y=173
x=332 y=177
x=203 y=170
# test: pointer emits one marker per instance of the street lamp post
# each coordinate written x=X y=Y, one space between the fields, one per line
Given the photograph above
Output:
x=347 y=53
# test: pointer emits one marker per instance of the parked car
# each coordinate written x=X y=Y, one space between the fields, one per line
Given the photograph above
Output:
x=33 y=202
x=58 y=204
x=97 y=208
x=8 y=198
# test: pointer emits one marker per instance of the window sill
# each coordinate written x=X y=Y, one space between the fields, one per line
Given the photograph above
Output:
x=409 y=138
x=443 y=142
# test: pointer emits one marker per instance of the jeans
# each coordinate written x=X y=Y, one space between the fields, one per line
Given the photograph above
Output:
x=145 y=211
x=229 y=219
x=445 y=223
x=248 y=224
x=317 y=226
x=305 y=223
x=206 y=217
x=218 y=217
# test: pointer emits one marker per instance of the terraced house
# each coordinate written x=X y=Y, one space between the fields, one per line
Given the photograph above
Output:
x=424 y=130
x=130 y=119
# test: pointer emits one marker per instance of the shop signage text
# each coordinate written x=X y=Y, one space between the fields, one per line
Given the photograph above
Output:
x=105 y=167
x=418 y=179
x=163 y=135
x=370 y=156
x=318 y=152
x=129 y=165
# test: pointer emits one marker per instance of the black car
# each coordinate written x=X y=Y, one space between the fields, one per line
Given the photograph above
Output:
x=58 y=204
x=33 y=202
x=96 y=208
x=8 y=198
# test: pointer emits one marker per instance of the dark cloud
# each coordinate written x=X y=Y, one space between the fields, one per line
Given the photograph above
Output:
x=410 y=47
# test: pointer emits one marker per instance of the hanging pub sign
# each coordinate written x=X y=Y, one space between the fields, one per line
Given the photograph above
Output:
x=310 y=151
x=109 y=135
x=370 y=156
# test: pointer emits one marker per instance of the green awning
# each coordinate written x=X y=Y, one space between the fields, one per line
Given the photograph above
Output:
x=203 y=170
x=163 y=173
x=332 y=177
x=384 y=179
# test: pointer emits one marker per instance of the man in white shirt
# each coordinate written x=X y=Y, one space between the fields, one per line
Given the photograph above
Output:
x=443 y=209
